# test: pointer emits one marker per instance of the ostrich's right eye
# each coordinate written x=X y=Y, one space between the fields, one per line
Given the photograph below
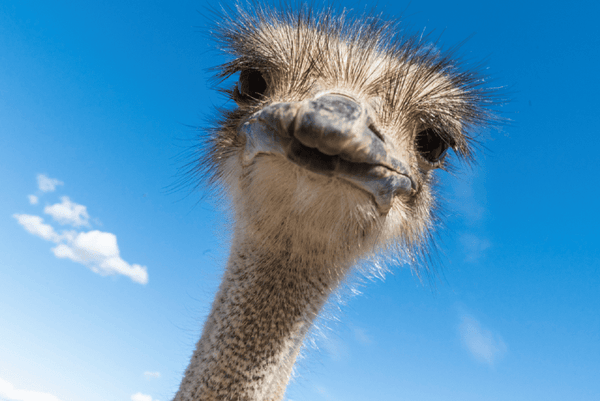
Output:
x=251 y=85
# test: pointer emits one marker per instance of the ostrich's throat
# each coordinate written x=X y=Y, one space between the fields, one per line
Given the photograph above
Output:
x=266 y=303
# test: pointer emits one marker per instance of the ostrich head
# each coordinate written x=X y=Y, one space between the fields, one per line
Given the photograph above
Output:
x=328 y=157
x=339 y=128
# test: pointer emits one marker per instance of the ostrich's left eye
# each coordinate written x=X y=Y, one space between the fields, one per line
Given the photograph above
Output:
x=431 y=145
x=252 y=84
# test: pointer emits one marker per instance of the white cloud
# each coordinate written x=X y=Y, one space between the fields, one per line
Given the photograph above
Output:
x=152 y=375
x=99 y=251
x=33 y=200
x=95 y=249
x=34 y=225
x=8 y=392
x=484 y=345
x=141 y=397
x=68 y=212
x=46 y=184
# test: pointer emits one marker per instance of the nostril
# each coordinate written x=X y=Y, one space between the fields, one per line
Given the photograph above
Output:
x=373 y=128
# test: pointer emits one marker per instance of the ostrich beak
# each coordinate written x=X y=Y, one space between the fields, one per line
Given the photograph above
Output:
x=331 y=135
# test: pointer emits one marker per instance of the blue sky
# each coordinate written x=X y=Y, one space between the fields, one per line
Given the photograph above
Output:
x=106 y=275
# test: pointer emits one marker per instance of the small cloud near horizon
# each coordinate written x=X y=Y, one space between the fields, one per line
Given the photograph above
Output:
x=47 y=184
x=8 y=392
x=152 y=375
x=485 y=346
x=141 y=397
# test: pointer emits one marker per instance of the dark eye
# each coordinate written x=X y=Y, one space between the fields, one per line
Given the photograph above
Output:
x=431 y=146
x=251 y=85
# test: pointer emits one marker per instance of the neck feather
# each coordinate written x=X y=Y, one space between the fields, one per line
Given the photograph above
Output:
x=265 y=305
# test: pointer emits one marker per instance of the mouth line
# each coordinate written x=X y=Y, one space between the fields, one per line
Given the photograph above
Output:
x=316 y=161
x=378 y=180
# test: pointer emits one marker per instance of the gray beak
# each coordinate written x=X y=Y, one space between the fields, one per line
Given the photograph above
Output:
x=331 y=135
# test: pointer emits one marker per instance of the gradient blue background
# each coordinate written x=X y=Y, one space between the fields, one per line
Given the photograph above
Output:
x=102 y=95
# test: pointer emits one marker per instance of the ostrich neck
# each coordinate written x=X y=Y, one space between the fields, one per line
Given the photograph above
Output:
x=265 y=305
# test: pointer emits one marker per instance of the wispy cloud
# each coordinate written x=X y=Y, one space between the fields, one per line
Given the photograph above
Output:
x=469 y=195
x=8 y=392
x=35 y=225
x=474 y=247
x=68 y=212
x=361 y=335
x=141 y=397
x=46 y=184
x=33 y=200
x=324 y=393
x=152 y=375
x=468 y=199
x=336 y=348
x=95 y=249
x=485 y=346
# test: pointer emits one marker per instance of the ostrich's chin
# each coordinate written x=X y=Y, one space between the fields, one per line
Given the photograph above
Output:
x=307 y=208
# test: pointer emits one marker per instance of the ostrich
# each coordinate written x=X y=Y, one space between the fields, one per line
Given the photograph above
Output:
x=327 y=159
